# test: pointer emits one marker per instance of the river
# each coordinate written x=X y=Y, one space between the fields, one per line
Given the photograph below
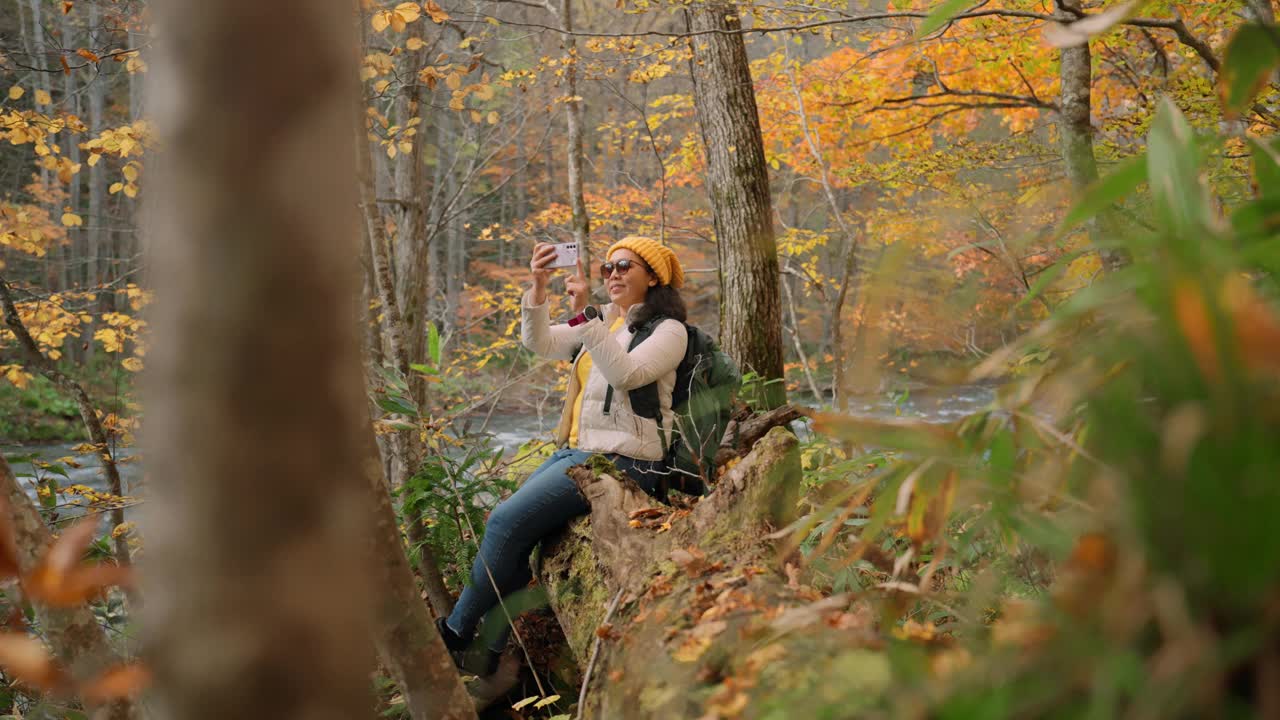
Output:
x=509 y=431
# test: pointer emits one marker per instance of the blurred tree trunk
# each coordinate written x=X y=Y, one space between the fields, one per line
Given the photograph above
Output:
x=1262 y=11
x=738 y=182
x=1076 y=130
x=78 y=642
x=258 y=602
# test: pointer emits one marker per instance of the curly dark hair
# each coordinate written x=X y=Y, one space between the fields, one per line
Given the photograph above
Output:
x=660 y=301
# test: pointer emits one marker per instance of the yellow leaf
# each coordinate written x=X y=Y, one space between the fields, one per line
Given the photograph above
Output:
x=493 y=117
x=524 y=702
x=405 y=146
x=414 y=43
x=130 y=172
x=16 y=92
x=476 y=116
x=408 y=11
x=94 y=158
x=43 y=97
x=381 y=86
x=131 y=190
x=391 y=150
x=381 y=20
x=115 y=188
x=454 y=81
x=546 y=701
x=71 y=219
x=132 y=364
x=484 y=92
x=397 y=22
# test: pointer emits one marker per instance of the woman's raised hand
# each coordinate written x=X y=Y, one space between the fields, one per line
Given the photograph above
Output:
x=578 y=288
x=539 y=272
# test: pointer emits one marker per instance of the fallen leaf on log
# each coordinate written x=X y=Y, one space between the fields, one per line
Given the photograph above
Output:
x=691 y=649
x=798 y=617
x=709 y=630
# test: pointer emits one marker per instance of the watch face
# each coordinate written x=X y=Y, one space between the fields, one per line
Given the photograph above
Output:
x=591 y=312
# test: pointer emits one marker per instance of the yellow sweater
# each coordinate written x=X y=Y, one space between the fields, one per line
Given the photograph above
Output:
x=583 y=370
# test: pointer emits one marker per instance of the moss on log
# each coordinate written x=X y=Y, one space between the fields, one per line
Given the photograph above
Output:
x=710 y=624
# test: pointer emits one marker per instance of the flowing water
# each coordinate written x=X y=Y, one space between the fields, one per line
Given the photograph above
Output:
x=509 y=431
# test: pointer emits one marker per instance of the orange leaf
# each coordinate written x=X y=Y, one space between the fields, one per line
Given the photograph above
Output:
x=9 y=566
x=117 y=683
x=61 y=580
x=67 y=551
x=29 y=661
x=437 y=13
x=66 y=69
x=88 y=55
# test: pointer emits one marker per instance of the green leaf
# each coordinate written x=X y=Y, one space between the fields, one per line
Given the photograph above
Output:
x=1173 y=167
x=396 y=405
x=941 y=15
x=424 y=369
x=1107 y=191
x=1266 y=166
x=1251 y=56
x=433 y=344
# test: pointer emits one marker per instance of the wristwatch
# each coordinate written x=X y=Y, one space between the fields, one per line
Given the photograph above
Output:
x=590 y=313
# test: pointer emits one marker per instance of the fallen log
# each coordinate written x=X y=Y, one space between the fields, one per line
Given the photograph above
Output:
x=708 y=621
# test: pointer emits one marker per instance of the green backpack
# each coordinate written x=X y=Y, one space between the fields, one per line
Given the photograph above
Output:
x=707 y=380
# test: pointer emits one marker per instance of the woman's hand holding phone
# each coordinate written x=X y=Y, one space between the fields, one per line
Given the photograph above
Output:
x=541 y=268
x=544 y=254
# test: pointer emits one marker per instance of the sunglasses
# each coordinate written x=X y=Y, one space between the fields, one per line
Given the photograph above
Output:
x=622 y=266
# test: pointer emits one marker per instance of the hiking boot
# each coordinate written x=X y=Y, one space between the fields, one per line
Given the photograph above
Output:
x=453 y=642
x=459 y=648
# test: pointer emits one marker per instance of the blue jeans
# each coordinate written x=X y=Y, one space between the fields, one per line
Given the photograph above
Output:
x=544 y=504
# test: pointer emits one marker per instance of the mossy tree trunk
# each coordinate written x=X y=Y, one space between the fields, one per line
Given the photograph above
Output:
x=707 y=624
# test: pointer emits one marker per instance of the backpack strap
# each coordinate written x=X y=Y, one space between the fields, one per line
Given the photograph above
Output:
x=644 y=400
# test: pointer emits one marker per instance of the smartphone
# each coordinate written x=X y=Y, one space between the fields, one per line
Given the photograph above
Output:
x=566 y=255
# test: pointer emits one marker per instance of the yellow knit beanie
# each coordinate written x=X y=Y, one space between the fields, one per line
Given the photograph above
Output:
x=656 y=256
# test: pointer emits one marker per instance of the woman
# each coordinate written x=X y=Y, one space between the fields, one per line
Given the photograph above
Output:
x=642 y=278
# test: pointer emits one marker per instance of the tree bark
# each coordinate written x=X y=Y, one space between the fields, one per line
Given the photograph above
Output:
x=738 y=182
x=704 y=610
x=78 y=642
x=258 y=603
x=1076 y=131
x=573 y=115
x=406 y=452
x=406 y=637
x=97 y=220
x=37 y=361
